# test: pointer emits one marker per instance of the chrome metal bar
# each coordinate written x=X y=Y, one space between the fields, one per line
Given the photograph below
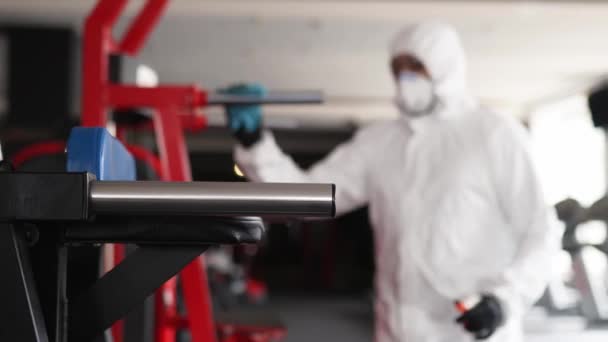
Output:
x=212 y=198
x=274 y=97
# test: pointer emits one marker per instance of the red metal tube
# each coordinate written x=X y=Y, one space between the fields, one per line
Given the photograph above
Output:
x=176 y=167
x=97 y=47
x=173 y=104
x=143 y=25
x=177 y=96
x=118 y=329
x=193 y=123
x=148 y=157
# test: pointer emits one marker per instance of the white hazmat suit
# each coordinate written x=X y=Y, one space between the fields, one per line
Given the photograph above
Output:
x=454 y=201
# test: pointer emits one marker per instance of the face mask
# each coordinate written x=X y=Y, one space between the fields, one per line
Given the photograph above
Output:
x=415 y=95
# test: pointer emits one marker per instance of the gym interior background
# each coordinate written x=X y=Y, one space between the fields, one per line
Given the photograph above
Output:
x=538 y=61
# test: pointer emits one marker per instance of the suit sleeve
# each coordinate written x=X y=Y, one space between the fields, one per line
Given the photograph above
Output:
x=346 y=167
x=524 y=207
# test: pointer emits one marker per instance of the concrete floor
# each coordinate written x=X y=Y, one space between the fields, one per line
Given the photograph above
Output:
x=313 y=318
x=331 y=318
x=543 y=328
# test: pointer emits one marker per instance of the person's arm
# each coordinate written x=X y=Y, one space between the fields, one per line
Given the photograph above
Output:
x=346 y=167
x=262 y=160
x=524 y=207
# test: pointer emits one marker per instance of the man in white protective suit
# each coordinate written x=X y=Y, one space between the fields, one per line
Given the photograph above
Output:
x=454 y=201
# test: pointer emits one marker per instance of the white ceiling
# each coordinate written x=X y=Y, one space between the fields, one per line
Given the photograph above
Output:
x=521 y=53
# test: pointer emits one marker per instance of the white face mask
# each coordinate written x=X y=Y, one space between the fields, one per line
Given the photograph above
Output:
x=415 y=94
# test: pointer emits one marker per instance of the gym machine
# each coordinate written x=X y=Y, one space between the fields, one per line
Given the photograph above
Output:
x=175 y=108
x=172 y=110
x=591 y=278
x=44 y=214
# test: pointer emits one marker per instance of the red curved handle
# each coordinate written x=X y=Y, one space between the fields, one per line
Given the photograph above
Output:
x=37 y=150
x=146 y=156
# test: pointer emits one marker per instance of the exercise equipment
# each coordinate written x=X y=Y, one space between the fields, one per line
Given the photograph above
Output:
x=208 y=198
x=173 y=108
x=590 y=277
x=272 y=97
x=591 y=281
x=597 y=101
x=45 y=214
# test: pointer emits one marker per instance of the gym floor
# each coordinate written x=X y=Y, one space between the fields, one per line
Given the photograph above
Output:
x=334 y=318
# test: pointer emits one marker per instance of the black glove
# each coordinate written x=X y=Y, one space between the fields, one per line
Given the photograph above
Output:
x=247 y=139
x=484 y=318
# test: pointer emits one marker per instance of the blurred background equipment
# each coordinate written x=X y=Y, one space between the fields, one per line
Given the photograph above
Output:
x=598 y=105
x=589 y=257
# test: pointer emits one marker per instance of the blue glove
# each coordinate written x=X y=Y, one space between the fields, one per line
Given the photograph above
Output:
x=245 y=121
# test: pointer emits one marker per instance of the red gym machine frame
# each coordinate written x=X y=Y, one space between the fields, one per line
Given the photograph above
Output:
x=174 y=106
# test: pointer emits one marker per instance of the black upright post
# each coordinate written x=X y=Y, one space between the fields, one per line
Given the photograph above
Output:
x=40 y=76
x=21 y=314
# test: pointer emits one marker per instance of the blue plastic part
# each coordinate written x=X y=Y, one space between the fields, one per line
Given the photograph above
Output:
x=94 y=150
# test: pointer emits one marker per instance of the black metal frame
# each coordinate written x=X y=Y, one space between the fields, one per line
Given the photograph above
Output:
x=39 y=305
x=21 y=313
x=124 y=287
x=89 y=314
x=30 y=196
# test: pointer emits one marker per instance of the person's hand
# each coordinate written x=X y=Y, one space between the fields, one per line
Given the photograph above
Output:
x=245 y=121
x=484 y=318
